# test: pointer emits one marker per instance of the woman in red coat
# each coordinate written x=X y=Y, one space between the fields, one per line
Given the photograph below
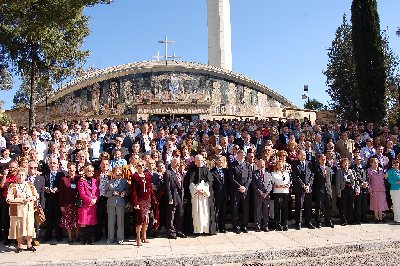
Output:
x=68 y=192
x=143 y=197
x=87 y=214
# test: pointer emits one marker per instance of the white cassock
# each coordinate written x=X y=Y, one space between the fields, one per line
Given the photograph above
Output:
x=200 y=207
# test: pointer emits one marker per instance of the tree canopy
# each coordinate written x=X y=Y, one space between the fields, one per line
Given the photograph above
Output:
x=43 y=38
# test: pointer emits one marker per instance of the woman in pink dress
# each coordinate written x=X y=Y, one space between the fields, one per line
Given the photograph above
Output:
x=377 y=190
x=89 y=193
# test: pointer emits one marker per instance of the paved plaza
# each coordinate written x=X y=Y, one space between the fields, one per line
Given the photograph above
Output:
x=370 y=244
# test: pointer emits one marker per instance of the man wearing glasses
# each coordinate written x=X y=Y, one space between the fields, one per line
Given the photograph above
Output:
x=39 y=183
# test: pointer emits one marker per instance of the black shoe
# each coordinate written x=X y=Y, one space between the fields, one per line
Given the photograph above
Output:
x=310 y=226
x=244 y=229
x=222 y=231
x=46 y=240
x=181 y=235
x=237 y=230
x=31 y=248
x=78 y=240
x=172 y=236
x=258 y=228
x=285 y=228
x=377 y=221
x=278 y=227
x=266 y=229
x=343 y=224
x=298 y=227
x=18 y=250
x=331 y=225
x=8 y=242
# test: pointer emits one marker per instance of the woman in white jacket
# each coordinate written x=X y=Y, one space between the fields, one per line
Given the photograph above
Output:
x=280 y=184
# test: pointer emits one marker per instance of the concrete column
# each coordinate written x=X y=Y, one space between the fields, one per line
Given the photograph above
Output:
x=219 y=34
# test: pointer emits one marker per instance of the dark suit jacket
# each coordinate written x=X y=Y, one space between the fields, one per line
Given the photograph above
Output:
x=53 y=196
x=323 y=183
x=128 y=141
x=220 y=183
x=302 y=177
x=259 y=186
x=173 y=189
x=240 y=175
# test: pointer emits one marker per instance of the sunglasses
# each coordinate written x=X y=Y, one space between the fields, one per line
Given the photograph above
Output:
x=140 y=165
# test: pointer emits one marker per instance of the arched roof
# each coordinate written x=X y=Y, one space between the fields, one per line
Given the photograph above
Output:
x=160 y=66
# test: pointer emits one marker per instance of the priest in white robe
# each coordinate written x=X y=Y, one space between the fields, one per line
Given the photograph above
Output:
x=202 y=198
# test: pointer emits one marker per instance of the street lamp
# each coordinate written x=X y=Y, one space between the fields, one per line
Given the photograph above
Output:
x=305 y=95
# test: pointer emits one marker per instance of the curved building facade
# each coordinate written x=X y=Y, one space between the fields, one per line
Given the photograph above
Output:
x=154 y=88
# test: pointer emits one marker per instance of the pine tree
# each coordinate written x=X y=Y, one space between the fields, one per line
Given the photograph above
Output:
x=371 y=71
x=340 y=74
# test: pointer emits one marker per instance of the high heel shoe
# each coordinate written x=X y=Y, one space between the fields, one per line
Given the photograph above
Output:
x=138 y=242
x=145 y=241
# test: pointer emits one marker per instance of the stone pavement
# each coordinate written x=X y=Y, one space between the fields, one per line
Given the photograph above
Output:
x=370 y=244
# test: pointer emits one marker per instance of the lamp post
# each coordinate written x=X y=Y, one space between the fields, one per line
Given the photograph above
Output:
x=306 y=96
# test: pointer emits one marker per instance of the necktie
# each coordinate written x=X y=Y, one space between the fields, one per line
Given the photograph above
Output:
x=178 y=175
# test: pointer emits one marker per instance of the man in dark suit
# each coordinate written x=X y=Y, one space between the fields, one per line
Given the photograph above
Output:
x=39 y=183
x=52 y=209
x=118 y=146
x=240 y=179
x=221 y=191
x=174 y=190
x=323 y=191
x=303 y=178
x=129 y=136
x=262 y=186
x=259 y=142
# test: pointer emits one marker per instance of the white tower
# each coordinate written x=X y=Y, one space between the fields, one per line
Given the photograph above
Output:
x=219 y=34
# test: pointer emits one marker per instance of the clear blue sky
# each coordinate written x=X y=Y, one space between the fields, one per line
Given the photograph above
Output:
x=281 y=44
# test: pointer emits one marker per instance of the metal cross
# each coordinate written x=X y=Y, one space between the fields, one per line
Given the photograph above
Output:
x=166 y=42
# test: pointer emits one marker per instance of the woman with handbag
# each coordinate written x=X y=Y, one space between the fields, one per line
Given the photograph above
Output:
x=68 y=196
x=22 y=196
x=87 y=214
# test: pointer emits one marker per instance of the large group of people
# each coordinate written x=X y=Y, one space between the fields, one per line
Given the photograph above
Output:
x=100 y=179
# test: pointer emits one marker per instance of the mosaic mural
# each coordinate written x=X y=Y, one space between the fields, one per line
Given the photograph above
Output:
x=126 y=95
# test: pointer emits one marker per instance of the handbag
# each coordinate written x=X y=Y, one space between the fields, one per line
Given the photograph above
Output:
x=40 y=217
x=78 y=202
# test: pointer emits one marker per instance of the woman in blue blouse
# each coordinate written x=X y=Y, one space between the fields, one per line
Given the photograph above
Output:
x=394 y=180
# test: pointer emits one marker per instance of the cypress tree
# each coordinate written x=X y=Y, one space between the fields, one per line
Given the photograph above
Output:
x=369 y=60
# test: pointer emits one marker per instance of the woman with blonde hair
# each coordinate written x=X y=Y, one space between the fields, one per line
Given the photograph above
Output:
x=87 y=214
x=377 y=190
x=143 y=198
x=21 y=196
x=280 y=184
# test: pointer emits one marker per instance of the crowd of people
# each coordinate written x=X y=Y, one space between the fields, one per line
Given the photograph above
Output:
x=101 y=179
